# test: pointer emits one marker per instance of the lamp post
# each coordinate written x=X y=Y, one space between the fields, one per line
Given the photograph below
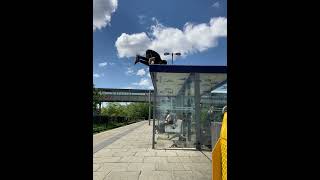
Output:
x=177 y=54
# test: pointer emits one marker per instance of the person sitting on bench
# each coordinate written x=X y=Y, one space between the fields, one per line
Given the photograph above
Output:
x=152 y=57
x=168 y=118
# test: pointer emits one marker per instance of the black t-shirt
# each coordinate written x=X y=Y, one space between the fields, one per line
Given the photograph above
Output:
x=150 y=53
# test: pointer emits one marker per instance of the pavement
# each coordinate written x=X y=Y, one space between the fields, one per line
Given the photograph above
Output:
x=126 y=153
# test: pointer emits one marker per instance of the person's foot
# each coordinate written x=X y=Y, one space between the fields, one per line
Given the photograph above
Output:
x=137 y=59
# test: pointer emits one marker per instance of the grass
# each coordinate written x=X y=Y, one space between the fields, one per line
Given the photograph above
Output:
x=97 y=128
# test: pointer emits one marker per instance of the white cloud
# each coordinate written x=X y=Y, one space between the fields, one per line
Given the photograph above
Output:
x=129 y=71
x=154 y=19
x=131 y=45
x=96 y=75
x=104 y=104
x=141 y=72
x=102 y=10
x=192 y=39
x=148 y=72
x=124 y=103
x=103 y=64
x=144 y=83
x=111 y=63
x=216 y=4
x=142 y=19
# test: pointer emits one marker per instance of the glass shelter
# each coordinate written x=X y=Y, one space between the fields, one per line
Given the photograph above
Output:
x=186 y=100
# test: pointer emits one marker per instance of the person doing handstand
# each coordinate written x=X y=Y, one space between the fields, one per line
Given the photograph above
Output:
x=152 y=57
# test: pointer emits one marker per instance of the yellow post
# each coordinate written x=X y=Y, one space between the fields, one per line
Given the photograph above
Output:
x=219 y=154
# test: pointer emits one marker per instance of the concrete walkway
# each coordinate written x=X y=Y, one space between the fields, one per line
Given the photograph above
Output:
x=126 y=153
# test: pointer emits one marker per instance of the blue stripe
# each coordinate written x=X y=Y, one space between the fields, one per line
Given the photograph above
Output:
x=187 y=69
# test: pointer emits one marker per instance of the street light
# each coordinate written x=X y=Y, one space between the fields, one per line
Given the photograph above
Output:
x=177 y=54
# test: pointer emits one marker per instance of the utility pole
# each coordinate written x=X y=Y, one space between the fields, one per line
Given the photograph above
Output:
x=177 y=54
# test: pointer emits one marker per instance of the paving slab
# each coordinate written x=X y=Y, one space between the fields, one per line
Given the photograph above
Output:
x=129 y=175
x=126 y=153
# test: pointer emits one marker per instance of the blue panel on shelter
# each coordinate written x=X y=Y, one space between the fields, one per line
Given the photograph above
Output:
x=188 y=69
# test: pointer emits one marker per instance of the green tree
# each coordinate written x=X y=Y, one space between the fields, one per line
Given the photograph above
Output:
x=136 y=110
x=96 y=95
x=114 y=109
x=133 y=110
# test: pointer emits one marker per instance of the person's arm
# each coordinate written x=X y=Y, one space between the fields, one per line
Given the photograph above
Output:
x=166 y=119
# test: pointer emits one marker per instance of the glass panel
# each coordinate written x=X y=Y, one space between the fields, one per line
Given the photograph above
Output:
x=213 y=99
x=175 y=123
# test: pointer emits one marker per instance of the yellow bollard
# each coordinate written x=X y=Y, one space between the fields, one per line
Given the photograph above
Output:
x=219 y=154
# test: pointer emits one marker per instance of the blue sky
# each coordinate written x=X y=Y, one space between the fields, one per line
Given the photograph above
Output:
x=124 y=28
